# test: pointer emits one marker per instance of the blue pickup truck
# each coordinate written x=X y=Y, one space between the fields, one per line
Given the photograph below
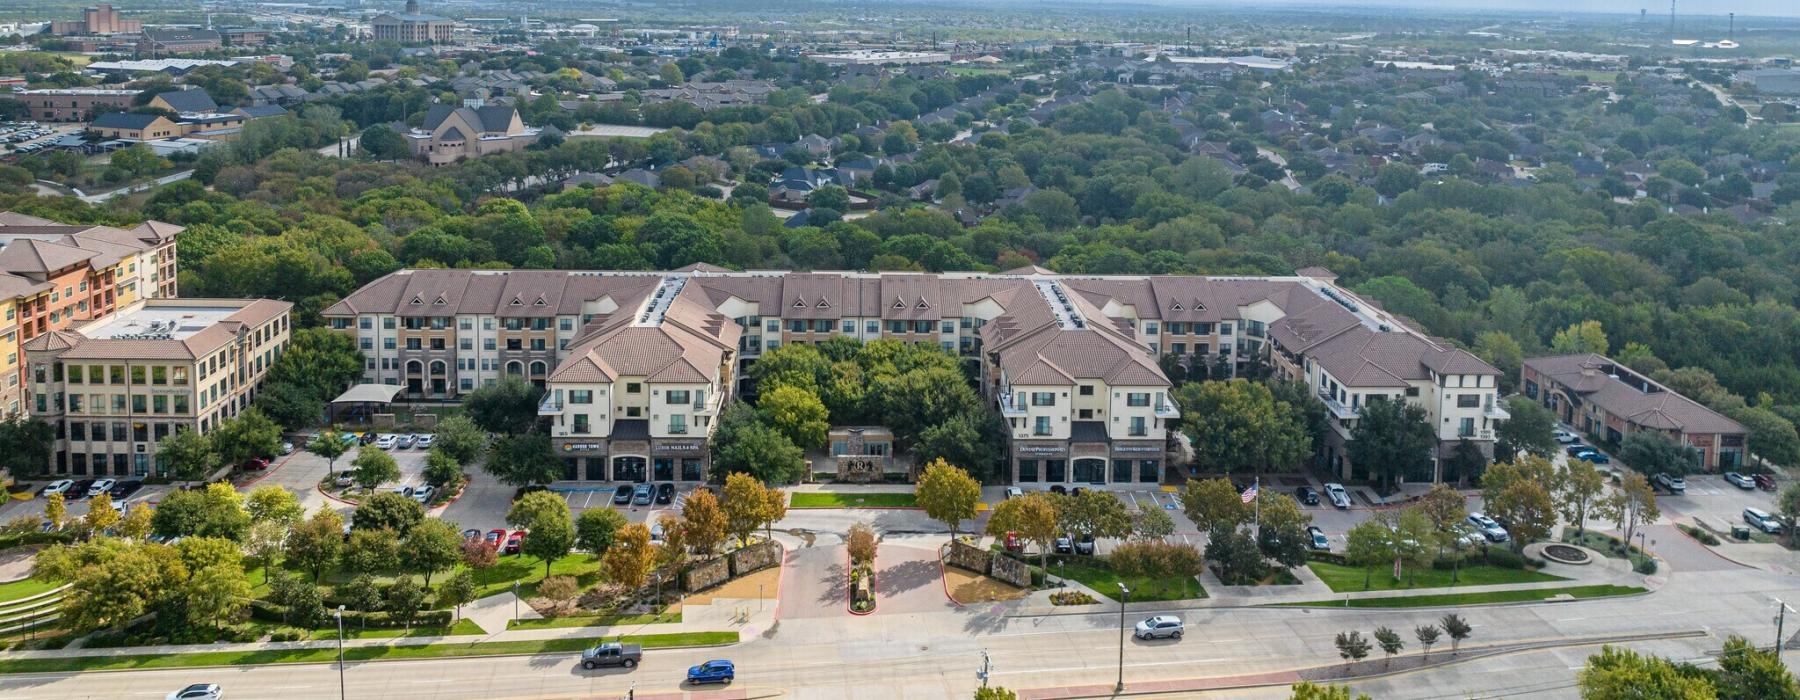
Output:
x=715 y=671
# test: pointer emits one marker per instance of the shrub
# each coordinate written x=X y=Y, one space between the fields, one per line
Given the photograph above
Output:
x=1705 y=537
x=559 y=588
x=1504 y=558
x=1071 y=598
x=1645 y=566
x=605 y=596
x=1153 y=558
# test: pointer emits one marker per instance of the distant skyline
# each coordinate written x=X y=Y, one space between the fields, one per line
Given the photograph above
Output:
x=1690 y=8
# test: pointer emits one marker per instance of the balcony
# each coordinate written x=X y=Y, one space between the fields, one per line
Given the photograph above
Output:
x=678 y=429
x=1010 y=407
x=551 y=405
x=1167 y=409
x=1337 y=408
x=1493 y=411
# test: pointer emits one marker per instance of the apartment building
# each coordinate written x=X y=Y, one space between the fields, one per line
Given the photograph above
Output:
x=1073 y=363
x=114 y=387
x=73 y=104
x=1607 y=401
x=54 y=275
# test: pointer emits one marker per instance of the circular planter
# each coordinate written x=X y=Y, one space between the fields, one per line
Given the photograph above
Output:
x=1566 y=554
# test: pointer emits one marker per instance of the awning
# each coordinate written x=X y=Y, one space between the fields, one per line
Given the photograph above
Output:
x=369 y=393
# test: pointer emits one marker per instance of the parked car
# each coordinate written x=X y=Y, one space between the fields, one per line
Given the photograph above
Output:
x=1340 y=497
x=643 y=495
x=612 y=654
x=1740 y=481
x=256 y=464
x=1084 y=545
x=287 y=448
x=1567 y=438
x=516 y=540
x=1059 y=490
x=496 y=538
x=1077 y=491
x=100 y=487
x=124 y=489
x=1317 y=538
x=198 y=691
x=386 y=442
x=1306 y=496
x=344 y=479
x=622 y=494
x=1488 y=528
x=1576 y=449
x=1013 y=492
x=1592 y=455
x=657 y=533
x=406 y=491
x=1159 y=627
x=58 y=486
x=1762 y=520
x=715 y=671
x=665 y=493
x=426 y=441
x=471 y=534
x=369 y=438
x=405 y=442
x=1013 y=543
x=1674 y=483
x=1765 y=482
x=79 y=490
x=424 y=493
x=1064 y=545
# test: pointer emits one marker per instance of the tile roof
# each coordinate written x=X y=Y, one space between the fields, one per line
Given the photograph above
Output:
x=1604 y=383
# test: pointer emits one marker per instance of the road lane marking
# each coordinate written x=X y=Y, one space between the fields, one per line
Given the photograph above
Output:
x=1131 y=665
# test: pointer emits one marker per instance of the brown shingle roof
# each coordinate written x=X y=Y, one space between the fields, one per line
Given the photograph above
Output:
x=1590 y=375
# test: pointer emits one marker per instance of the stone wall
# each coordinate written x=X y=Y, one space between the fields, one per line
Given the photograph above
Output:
x=707 y=574
x=1011 y=571
x=963 y=555
x=754 y=557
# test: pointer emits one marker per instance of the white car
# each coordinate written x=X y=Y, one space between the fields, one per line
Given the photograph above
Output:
x=386 y=441
x=1741 y=481
x=424 y=493
x=405 y=442
x=1160 y=626
x=198 y=691
x=59 y=486
x=1488 y=528
x=287 y=448
x=100 y=487
x=1674 y=483
x=1567 y=438
x=426 y=440
x=1013 y=492
x=1339 y=496
x=406 y=491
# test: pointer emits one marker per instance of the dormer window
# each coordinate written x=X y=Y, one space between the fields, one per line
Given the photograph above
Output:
x=516 y=302
x=540 y=302
x=799 y=303
x=1199 y=306
x=440 y=301
x=899 y=303
x=417 y=300
x=823 y=304
x=922 y=304
x=1175 y=306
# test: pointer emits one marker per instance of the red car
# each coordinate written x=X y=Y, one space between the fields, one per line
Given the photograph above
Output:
x=496 y=538
x=514 y=540
x=1765 y=482
x=1013 y=543
x=257 y=464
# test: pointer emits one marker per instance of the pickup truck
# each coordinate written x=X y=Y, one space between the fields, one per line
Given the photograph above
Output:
x=612 y=654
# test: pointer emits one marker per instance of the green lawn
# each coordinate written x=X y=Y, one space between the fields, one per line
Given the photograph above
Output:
x=1523 y=596
x=830 y=499
x=23 y=588
x=351 y=631
x=529 y=571
x=1106 y=582
x=1606 y=545
x=1349 y=578
x=431 y=651
x=593 y=621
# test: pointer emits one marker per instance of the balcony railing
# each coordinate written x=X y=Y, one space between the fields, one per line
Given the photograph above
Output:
x=1009 y=406
x=678 y=430
x=1167 y=409
x=551 y=404
x=1337 y=408
x=1495 y=412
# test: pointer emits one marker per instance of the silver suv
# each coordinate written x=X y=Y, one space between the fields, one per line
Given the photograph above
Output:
x=1158 y=627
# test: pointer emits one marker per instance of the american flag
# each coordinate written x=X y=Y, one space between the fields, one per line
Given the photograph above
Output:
x=1250 y=493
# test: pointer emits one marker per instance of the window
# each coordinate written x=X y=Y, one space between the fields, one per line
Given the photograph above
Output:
x=1467 y=428
x=872 y=327
x=1043 y=398
x=1468 y=400
x=949 y=327
x=678 y=424
x=1137 y=427
x=1086 y=390
x=178 y=376
x=75 y=372
x=849 y=326
x=581 y=424
x=138 y=403
x=137 y=375
x=1150 y=329
x=1178 y=348
x=797 y=326
x=677 y=396
x=1041 y=426
x=1177 y=328
x=1137 y=399
x=633 y=388
x=581 y=396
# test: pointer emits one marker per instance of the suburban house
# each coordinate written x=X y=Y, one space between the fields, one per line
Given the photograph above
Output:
x=451 y=134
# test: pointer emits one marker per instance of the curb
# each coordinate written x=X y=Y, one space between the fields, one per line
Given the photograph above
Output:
x=459 y=495
x=1516 y=603
x=271 y=470
x=323 y=492
x=4 y=674
x=850 y=595
x=944 y=577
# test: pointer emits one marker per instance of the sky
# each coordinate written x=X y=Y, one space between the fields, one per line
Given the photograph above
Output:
x=1744 y=8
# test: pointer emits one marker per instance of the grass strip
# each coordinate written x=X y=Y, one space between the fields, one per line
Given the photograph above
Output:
x=1144 y=589
x=462 y=627
x=548 y=623
x=830 y=499
x=1450 y=599
x=383 y=653
x=24 y=588
x=1345 y=579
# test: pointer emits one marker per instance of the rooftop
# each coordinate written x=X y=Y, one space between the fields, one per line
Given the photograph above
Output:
x=178 y=321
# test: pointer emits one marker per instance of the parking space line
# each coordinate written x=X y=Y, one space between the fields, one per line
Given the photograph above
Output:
x=1133 y=496
x=589 y=499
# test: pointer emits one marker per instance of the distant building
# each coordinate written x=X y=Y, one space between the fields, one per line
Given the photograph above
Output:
x=1773 y=81
x=137 y=127
x=73 y=104
x=1607 y=401
x=881 y=58
x=246 y=36
x=97 y=20
x=168 y=41
x=413 y=27
x=451 y=134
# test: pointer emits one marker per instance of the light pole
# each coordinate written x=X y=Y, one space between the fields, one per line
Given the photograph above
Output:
x=1124 y=596
x=1781 y=611
x=986 y=668
x=515 y=601
x=340 y=623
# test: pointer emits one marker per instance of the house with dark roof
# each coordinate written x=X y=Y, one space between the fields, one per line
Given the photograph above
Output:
x=450 y=134
x=187 y=101
x=136 y=127
x=1607 y=401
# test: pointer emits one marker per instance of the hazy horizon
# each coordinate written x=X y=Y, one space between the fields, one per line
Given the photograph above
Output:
x=1691 y=9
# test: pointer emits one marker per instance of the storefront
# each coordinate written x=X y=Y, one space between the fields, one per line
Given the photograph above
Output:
x=1139 y=462
x=1122 y=462
x=683 y=459
x=582 y=461
x=1040 y=461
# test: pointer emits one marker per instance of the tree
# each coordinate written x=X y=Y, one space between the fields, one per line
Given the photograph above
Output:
x=271 y=503
x=1281 y=535
x=1032 y=516
x=120 y=585
x=214 y=512
x=797 y=414
x=508 y=406
x=136 y=523
x=776 y=500
x=760 y=451
x=1209 y=502
x=1235 y=553
x=1352 y=647
x=266 y=542
x=703 y=521
x=330 y=444
x=1457 y=629
x=1153 y=524
x=431 y=546
x=479 y=555
x=1789 y=505
x=403 y=599
x=25 y=443
x=1238 y=424
x=1772 y=437
x=1368 y=544
x=1443 y=506
x=1631 y=504
x=1527 y=510
x=190 y=455
x=673 y=552
x=595 y=527
x=1584 y=337
x=523 y=460
x=1392 y=439
x=1579 y=487
x=1749 y=673
x=1096 y=513
x=1427 y=636
x=371 y=552
x=305 y=606
x=374 y=467
x=1390 y=642
x=250 y=434
x=1653 y=453
x=1306 y=690
x=1622 y=674
x=55 y=510
x=552 y=529
x=216 y=593
x=861 y=543
x=381 y=142
x=948 y=494
x=459 y=437
x=1530 y=429
x=101 y=515
x=441 y=470
x=314 y=544
x=388 y=510
x=629 y=560
x=458 y=591
x=745 y=503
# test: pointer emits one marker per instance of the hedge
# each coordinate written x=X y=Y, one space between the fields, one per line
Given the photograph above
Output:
x=1495 y=556
x=270 y=612
x=25 y=539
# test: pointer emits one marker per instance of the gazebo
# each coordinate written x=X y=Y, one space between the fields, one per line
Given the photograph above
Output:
x=360 y=400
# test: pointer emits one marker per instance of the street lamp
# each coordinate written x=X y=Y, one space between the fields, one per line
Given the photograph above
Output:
x=340 y=623
x=515 y=601
x=1781 y=611
x=1124 y=595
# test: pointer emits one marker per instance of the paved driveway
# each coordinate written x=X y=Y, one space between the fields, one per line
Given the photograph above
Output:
x=815 y=581
x=1682 y=552
x=909 y=580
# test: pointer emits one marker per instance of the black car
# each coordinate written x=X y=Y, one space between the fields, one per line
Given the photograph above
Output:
x=79 y=490
x=124 y=489
x=1576 y=449
x=370 y=437
x=1077 y=491
x=665 y=493
x=622 y=495
x=1064 y=545
x=1306 y=496
x=1085 y=545
x=1058 y=489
